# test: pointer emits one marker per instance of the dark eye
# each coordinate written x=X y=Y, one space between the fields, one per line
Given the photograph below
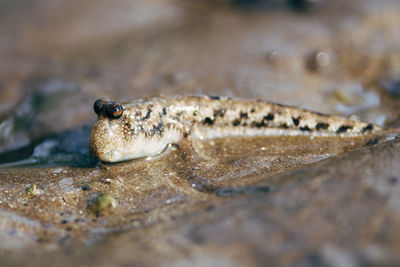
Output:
x=99 y=104
x=114 y=110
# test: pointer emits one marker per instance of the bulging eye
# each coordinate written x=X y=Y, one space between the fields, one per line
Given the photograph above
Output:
x=114 y=110
x=99 y=104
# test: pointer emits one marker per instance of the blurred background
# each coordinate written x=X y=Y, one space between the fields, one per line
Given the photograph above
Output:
x=241 y=202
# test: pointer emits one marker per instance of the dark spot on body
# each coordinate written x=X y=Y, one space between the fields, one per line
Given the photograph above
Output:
x=243 y=115
x=252 y=110
x=158 y=128
x=128 y=125
x=305 y=128
x=164 y=111
x=195 y=113
x=269 y=117
x=148 y=113
x=214 y=97
x=219 y=112
x=284 y=126
x=208 y=121
x=369 y=127
x=177 y=118
x=259 y=124
x=296 y=121
x=236 y=122
x=137 y=129
x=344 y=128
x=321 y=125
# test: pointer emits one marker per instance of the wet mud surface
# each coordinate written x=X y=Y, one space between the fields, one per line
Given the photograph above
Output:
x=227 y=202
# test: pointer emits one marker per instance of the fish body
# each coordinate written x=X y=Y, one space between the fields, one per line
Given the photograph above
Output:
x=146 y=127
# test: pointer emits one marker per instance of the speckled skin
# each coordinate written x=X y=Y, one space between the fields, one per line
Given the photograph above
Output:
x=146 y=127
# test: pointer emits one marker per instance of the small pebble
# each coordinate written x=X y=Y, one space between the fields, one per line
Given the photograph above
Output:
x=317 y=60
x=31 y=191
x=275 y=58
x=101 y=203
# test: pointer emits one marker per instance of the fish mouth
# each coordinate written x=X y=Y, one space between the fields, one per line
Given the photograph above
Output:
x=98 y=141
x=112 y=155
x=104 y=142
